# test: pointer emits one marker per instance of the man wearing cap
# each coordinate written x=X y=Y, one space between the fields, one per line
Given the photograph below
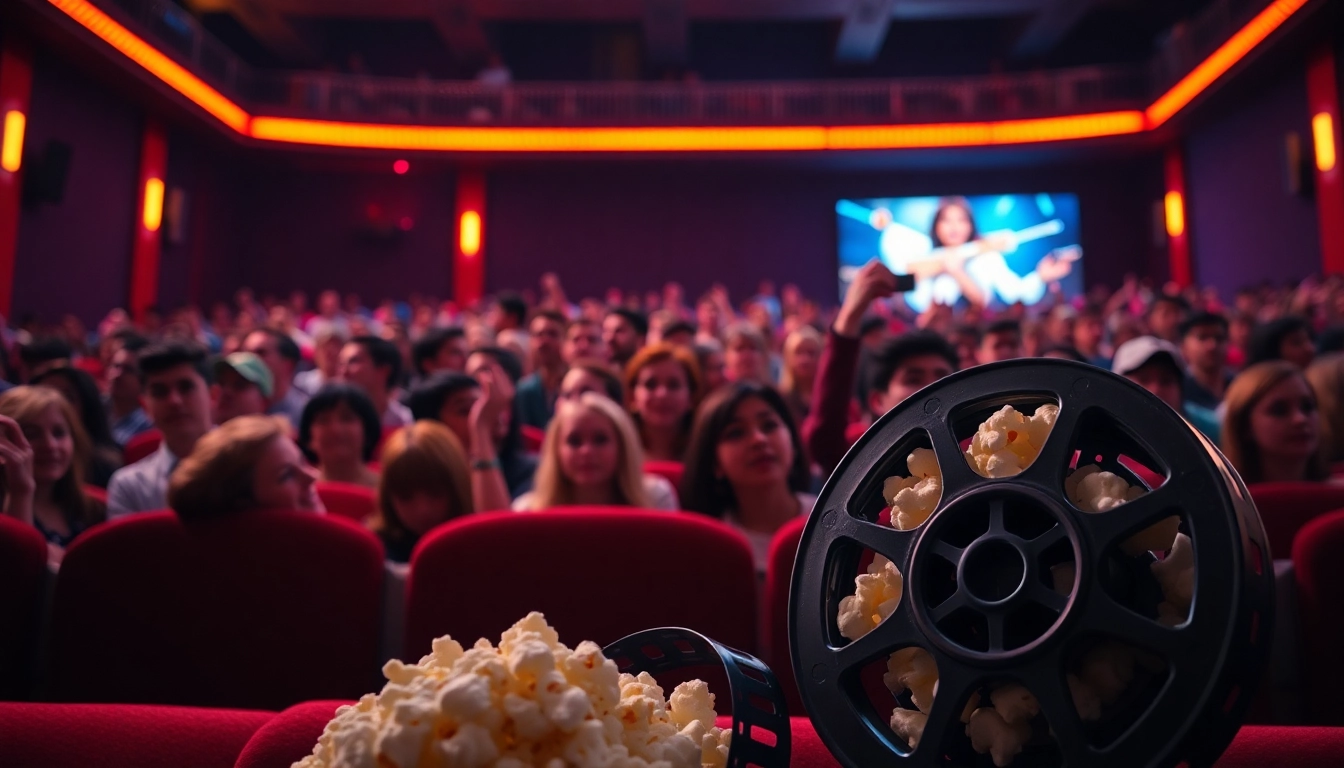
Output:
x=243 y=386
x=1157 y=366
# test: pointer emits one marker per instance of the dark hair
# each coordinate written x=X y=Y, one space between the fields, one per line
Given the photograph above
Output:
x=428 y=397
x=637 y=320
x=553 y=315
x=1266 y=339
x=1066 y=350
x=513 y=305
x=506 y=359
x=701 y=490
x=283 y=344
x=1169 y=298
x=872 y=323
x=678 y=326
x=1007 y=325
x=893 y=354
x=1200 y=319
x=131 y=340
x=429 y=345
x=1331 y=339
x=943 y=205
x=328 y=398
x=611 y=383
x=967 y=330
x=92 y=414
x=384 y=355
x=161 y=356
x=45 y=350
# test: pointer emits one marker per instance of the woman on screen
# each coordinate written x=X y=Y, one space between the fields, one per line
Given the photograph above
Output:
x=962 y=263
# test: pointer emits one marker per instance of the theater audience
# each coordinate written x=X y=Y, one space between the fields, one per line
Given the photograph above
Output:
x=425 y=482
x=243 y=385
x=709 y=355
x=248 y=463
x=592 y=457
x=439 y=349
x=281 y=355
x=326 y=359
x=125 y=412
x=1089 y=332
x=1272 y=426
x=495 y=438
x=538 y=390
x=583 y=339
x=623 y=332
x=678 y=333
x=374 y=365
x=43 y=449
x=1157 y=366
x=1326 y=375
x=446 y=397
x=1285 y=338
x=177 y=397
x=339 y=431
x=1165 y=316
x=508 y=311
x=591 y=376
x=746 y=464
x=81 y=391
x=746 y=356
x=802 y=350
x=663 y=382
x=1002 y=340
x=1204 y=345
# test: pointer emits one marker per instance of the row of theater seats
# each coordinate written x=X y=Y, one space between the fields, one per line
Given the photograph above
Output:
x=273 y=608
x=129 y=736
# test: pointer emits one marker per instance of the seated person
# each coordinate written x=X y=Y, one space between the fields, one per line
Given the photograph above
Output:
x=281 y=356
x=125 y=390
x=1002 y=340
x=746 y=464
x=1204 y=345
x=592 y=457
x=81 y=391
x=425 y=482
x=243 y=385
x=1287 y=338
x=495 y=434
x=247 y=463
x=338 y=432
x=42 y=449
x=590 y=375
x=374 y=365
x=177 y=398
x=538 y=390
x=440 y=349
x=664 y=386
x=1158 y=367
x=1272 y=426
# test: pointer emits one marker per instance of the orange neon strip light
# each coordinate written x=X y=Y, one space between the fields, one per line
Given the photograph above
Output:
x=332 y=133
x=1221 y=60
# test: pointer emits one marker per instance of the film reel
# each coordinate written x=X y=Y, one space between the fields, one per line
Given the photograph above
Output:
x=977 y=594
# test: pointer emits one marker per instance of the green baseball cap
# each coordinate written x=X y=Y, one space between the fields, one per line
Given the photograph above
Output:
x=250 y=367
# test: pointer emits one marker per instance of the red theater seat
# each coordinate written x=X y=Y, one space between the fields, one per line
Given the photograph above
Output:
x=778 y=578
x=124 y=736
x=96 y=493
x=347 y=500
x=1318 y=566
x=668 y=470
x=292 y=734
x=261 y=610
x=1286 y=507
x=597 y=573
x=532 y=438
x=23 y=567
x=141 y=445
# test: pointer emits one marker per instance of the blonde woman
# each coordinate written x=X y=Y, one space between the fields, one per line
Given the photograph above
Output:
x=44 y=449
x=592 y=457
x=802 y=354
x=1326 y=374
x=425 y=482
x=1272 y=427
x=246 y=463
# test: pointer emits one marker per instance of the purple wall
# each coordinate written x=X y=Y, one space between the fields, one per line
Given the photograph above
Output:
x=74 y=257
x=1244 y=225
x=637 y=225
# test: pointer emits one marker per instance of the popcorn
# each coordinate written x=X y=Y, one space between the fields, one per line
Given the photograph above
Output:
x=1107 y=670
x=1176 y=575
x=1008 y=442
x=1014 y=703
x=989 y=732
x=913 y=499
x=909 y=725
x=915 y=669
x=876 y=595
x=530 y=702
x=1093 y=490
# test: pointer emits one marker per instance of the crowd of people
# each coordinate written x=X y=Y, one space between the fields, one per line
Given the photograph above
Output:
x=530 y=402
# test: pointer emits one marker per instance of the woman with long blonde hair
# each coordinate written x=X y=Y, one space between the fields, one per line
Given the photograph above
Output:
x=1326 y=374
x=44 y=449
x=246 y=463
x=425 y=482
x=592 y=457
x=802 y=354
x=1272 y=425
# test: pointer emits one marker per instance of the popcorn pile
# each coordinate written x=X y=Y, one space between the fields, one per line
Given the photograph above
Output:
x=1005 y=445
x=530 y=702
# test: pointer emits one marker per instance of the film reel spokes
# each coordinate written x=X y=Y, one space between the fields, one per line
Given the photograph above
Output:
x=1010 y=581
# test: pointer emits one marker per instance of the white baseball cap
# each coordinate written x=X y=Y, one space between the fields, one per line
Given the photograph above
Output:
x=1136 y=353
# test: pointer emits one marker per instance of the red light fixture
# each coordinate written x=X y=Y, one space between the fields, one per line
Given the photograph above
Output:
x=400 y=167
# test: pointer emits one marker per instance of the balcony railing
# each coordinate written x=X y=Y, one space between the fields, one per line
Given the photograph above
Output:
x=379 y=99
